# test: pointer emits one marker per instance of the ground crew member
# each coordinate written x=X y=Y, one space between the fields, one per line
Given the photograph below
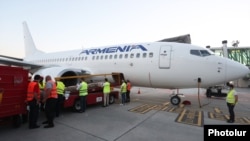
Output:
x=41 y=86
x=50 y=99
x=128 y=91
x=106 y=91
x=60 y=87
x=123 y=92
x=33 y=100
x=83 y=92
x=232 y=99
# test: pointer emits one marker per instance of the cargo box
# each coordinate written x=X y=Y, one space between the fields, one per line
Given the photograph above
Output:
x=13 y=89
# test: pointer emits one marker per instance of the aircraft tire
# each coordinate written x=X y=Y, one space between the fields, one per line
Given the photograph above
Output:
x=111 y=99
x=77 y=106
x=17 y=121
x=175 y=100
x=208 y=93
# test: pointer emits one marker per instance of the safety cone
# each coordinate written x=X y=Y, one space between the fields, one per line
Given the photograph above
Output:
x=139 y=92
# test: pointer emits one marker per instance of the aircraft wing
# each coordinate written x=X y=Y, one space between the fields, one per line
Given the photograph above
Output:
x=18 y=62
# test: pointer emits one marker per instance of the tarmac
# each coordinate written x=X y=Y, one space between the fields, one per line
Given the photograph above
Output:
x=149 y=116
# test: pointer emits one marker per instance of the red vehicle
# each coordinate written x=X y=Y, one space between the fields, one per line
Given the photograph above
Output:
x=13 y=90
x=95 y=96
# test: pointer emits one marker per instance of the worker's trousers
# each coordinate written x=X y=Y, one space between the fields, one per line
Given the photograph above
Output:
x=50 y=110
x=105 y=99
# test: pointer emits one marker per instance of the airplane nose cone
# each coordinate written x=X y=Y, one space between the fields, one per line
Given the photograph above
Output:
x=236 y=70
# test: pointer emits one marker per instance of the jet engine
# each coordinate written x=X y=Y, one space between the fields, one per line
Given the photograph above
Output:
x=62 y=72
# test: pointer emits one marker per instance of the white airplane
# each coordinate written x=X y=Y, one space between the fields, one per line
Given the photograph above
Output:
x=152 y=64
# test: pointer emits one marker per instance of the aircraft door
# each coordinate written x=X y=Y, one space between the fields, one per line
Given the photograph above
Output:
x=118 y=77
x=165 y=57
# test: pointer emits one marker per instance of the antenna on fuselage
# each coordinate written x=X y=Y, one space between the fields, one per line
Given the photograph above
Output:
x=224 y=48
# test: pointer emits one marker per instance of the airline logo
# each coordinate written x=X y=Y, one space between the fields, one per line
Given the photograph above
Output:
x=114 y=49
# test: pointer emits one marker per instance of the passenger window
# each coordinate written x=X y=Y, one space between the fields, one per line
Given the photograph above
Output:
x=110 y=56
x=126 y=56
x=120 y=56
x=115 y=56
x=101 y=57
x=106 y=56
x=138 y=55
x=93 y=58
x=132 y=55
x=144 y=55
x=151 y=54
x=97 y=57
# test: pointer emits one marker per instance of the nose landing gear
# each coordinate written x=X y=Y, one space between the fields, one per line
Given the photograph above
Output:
x=175 y=99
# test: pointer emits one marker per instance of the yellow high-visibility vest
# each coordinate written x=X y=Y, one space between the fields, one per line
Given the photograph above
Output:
x=230 y=96
x=106 y=87
x=60 y=87
x=84 y=89
x=124 y=87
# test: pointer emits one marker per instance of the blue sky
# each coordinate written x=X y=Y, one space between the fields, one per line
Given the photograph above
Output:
x=58 y=25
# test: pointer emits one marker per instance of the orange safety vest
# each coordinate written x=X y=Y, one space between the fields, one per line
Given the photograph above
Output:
x=53 y=93
x=128 y=86
x=31 y=92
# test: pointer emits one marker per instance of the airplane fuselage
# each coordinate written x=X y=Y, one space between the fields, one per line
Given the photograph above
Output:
x=156 y=64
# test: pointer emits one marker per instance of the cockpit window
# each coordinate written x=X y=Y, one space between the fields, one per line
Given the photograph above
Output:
x=205 y=53
x=195 y=52
x=200 y=52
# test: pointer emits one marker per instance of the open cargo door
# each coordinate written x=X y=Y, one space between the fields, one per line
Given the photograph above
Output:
x=118 y=77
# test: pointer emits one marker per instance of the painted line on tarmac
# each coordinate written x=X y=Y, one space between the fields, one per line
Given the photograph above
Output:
x=148 y=107
x=191 y=117
x=247 y=120
x=175 y=109
x=217 y=110
x=218 y=115
x=162 y=107
x=143 y=108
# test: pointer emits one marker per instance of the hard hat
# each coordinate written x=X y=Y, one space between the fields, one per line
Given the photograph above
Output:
x=231 y=83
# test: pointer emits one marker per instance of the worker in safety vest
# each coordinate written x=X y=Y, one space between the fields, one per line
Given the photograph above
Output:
x=128 y=91
x=232 y=99
x=60 y=87
x=50 y=99
x=83 y=92
x=123 y=92
x=106 y=91
x=33 y=100
x=41 y=86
